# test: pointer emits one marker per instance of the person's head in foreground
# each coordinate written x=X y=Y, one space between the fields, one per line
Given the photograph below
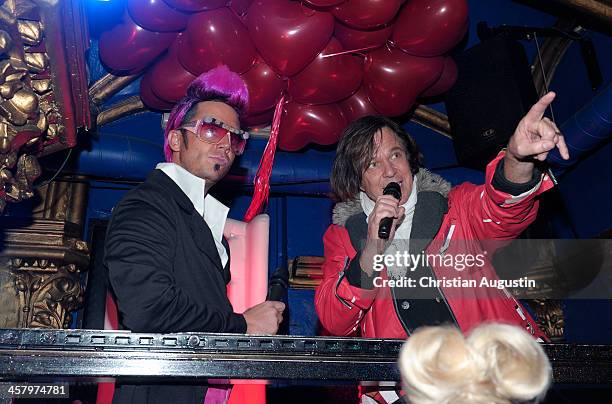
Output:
x=496 y=363
x=372 y=152
x=203 y=132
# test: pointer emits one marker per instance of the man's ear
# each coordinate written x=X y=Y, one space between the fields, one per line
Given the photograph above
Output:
x=174 y=140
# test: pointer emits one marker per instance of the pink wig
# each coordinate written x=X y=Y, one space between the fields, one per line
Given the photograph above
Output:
x=218 y=84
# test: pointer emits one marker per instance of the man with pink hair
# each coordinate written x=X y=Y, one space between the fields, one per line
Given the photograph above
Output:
x=167 y=261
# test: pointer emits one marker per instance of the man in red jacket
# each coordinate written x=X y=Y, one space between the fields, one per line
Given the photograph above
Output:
x=369 y=288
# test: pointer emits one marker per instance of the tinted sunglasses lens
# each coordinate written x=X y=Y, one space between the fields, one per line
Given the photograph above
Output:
x=238 y=144
x=210 y=133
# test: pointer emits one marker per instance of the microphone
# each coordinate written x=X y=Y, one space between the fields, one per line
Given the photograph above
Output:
x=278 y=285
x=384 y=228
x=277 y=291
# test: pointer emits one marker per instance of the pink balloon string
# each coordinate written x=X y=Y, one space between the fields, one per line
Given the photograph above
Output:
x=262 y=178
x=349 y=51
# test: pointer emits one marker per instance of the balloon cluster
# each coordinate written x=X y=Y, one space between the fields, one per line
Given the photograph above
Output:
x=336 y=60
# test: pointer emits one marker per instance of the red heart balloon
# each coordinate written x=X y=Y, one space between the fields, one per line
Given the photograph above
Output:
x=157 y=16
x=240 y=7
x=431 y=27
x=445 y=81
x=259 y=119
x=287 y=34
x=216 y=37
x=129 y=48
x=265 y=87
x=323 y=3
x=352 y=38
x=196 y=5
x=149 y=98
x=169 y=79
x=302 y=124
x=366 y=13
x=393 y=79
x=327 y=79
x=357 y=106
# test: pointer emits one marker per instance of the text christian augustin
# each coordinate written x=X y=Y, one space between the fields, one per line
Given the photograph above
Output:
x=460 y=262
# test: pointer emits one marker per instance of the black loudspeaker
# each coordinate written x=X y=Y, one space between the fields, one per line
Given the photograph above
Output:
x=494 y=90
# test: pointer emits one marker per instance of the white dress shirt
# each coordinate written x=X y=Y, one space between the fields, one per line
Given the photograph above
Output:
x=213 y=211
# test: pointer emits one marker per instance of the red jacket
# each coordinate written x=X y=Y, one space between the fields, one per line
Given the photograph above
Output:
x=475 y=212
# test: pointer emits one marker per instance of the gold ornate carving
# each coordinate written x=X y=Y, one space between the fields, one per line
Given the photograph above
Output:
x=9 y=160
x=20 y=188
x=23 y=7
x=54 y=130
x=37 y=62
x=19 y=103
x=32 y=141
x=6 y=134
x=41 y=86
x=30 y=31
x=42 y=72
x=46 y=292
x=5 y=42
x=43 y=256
x=22 y=105
x=42 y=123
x=40 y=274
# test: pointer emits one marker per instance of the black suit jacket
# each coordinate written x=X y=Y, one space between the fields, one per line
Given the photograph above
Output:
x=166 y=273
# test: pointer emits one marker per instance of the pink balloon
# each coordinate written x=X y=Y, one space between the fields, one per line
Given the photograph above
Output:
x=445 y=81
x=196 y=5
x=302 y=124
x=169 y=79
x=157 y=16
x=129 y=48
x=323 y=3
x=287 y=34
x=149 y=98
x=259 y=119
x=393 y=79
x=265 y=87
x=357 y=106
x=216 y=37
x=431 y=27
x=365 y=14
x=352 y=38
x=240 y=7
x=327 y=79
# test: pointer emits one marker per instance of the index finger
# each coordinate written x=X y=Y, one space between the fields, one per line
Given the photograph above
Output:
x=280 y=306
x=537 y=110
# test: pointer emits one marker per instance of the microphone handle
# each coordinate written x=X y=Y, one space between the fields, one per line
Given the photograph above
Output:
x=384 y=228
x=276 y=293
x=278 y=285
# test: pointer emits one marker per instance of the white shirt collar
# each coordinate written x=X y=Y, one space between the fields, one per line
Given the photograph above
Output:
x=213 y=211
